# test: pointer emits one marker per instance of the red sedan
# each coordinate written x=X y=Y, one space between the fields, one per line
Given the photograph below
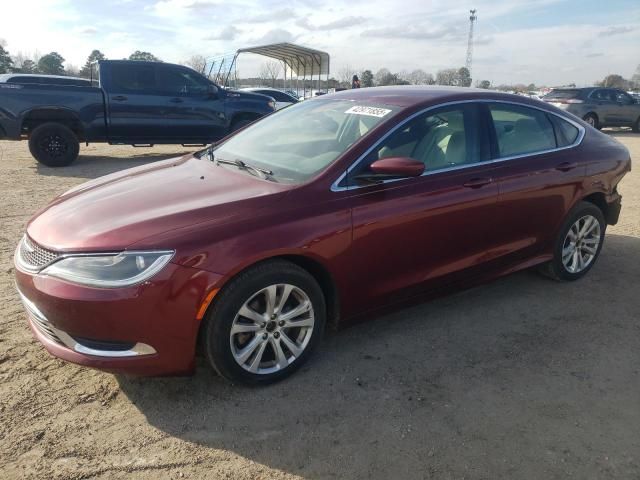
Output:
x=322 y=213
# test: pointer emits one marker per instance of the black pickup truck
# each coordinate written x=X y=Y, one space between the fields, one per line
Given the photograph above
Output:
x=135 y=103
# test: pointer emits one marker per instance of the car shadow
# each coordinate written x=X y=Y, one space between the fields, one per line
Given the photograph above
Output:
x=506 y=370
x=91 y=166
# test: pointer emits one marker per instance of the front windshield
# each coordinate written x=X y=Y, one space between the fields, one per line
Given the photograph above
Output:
x=301 y=140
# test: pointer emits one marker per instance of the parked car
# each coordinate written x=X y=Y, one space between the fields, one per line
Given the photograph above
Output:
x=136 y=103
x=24 y=78
x=321 y=214
x=281 y=98
x=599 y=107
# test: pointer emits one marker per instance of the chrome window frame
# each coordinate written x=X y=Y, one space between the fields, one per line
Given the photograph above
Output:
x=581 y=133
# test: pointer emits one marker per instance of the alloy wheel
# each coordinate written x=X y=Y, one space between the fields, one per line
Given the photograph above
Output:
x=272 y=329
x=54 y=145
x=581 y=244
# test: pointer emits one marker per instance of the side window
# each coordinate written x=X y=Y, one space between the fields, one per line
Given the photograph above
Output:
x=440 y=139
x=133 y=78
x=566 y=134
x=179 y=81
x=521 y=130
x=623 y=98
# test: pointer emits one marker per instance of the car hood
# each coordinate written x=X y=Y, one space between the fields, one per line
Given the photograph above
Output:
x=115 y=211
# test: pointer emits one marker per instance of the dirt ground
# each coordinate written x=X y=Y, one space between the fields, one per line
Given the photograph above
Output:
x=523 y=378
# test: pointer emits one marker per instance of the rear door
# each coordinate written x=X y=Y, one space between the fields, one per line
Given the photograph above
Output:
x=409 y=233
x=604 y=100
x=136 y=111
x=192 y=111
x=539 y=175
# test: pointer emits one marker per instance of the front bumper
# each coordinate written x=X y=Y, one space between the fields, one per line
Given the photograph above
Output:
x=147 y=329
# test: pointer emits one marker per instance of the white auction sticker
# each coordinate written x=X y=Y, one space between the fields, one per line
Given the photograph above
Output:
x=370 y=111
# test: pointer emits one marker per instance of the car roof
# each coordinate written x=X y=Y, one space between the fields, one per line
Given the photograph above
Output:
x=423 y=95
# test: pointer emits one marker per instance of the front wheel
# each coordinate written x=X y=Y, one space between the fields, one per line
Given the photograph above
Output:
x=578 y=244
x=265 y=323
x=54 y=145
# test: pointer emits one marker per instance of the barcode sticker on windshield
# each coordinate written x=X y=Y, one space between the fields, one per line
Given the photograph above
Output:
x=370 y=111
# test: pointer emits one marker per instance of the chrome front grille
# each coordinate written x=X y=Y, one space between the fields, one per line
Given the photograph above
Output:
x=34 y=257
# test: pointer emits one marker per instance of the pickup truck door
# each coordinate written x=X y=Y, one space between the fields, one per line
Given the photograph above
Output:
x=194 y=107
x=136 y=114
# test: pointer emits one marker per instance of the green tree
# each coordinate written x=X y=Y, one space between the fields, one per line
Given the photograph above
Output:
x=464 y=77
x=615 y=81
x=95 y=56
x=51 y=64
x=484 y=84
x=144 y=56
x=6 y=63
x=29 y=66
x=366 y=78
x=448 y=76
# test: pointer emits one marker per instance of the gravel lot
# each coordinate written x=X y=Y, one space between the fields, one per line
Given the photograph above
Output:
x=522 y=378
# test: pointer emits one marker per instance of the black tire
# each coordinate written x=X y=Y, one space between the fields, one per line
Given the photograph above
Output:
x=555 y=268
x=216 y=333
x=592 y=120
x=54 y=145
x=636 y=126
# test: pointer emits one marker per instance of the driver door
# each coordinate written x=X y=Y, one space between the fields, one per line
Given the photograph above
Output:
x=410 y=234
x=192 y=112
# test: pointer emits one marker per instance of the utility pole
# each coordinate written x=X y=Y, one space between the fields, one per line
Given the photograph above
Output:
x=472 y=20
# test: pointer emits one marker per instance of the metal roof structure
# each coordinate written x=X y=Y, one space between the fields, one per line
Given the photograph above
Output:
x=298 y=59
x=302 y=62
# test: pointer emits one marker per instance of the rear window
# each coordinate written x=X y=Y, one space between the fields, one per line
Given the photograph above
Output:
x=131 y=77
x=566 y=134
x=562 y=94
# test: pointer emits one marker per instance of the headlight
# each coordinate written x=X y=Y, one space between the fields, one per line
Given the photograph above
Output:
x=109 y=270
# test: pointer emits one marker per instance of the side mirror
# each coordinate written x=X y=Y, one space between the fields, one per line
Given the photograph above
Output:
x=392 y=168
x=212 y=91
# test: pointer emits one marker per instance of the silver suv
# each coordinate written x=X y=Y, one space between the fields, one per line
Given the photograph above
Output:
x=600 y=107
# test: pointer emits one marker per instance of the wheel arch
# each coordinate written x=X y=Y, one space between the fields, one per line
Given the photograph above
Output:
x=312 y=266
x=599 y=199
x=64 y=116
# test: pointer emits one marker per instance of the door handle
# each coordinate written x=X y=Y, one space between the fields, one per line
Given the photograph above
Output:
x=566 y=166
x=119 y=98
x=477 y=182
x=176 y=100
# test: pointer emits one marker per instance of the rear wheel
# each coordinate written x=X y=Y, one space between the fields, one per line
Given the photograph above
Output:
x=54 y=145
x=578 y=244
x=636 y=126
x=265 y=323
x=592 y=120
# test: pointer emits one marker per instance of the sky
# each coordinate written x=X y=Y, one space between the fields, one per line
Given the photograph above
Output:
x=547 y=42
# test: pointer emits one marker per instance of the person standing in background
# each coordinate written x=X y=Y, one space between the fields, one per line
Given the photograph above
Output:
x=355 y=82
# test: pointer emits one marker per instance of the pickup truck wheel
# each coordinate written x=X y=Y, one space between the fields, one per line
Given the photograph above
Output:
x=54 y=145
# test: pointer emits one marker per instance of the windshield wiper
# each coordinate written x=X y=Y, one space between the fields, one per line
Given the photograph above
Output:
x=262 y=172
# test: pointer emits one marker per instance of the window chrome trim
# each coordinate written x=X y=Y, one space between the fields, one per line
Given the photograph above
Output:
x=581 y=133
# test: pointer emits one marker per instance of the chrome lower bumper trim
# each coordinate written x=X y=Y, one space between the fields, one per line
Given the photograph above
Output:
x=60 y=337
